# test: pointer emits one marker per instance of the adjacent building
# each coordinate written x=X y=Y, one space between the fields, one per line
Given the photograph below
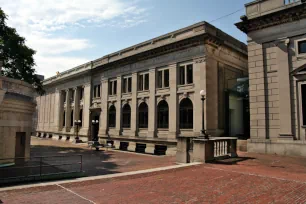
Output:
x=276 y=32
x=143 y=97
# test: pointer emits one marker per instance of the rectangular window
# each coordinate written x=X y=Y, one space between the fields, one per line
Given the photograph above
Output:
x=186 y=74
x=64 y=96
x=302 y=47
x=160 y=79
x=130 y=84
x=124 y=85
x=127 y=85
x=189 y=74
x=143 y=82
x=140 y=83
x=166 y=78
x=97 y=91
x=81 y=93
x=182 y=75
x=115 y=88
x=163 y=78
x=72 y=96
x=146 y=86
x=112 y=87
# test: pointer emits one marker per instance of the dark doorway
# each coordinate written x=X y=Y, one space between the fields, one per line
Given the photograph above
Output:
x=20 y=147
x=95 y=127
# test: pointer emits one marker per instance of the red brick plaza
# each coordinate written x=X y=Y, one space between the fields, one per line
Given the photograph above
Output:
x=255 y=179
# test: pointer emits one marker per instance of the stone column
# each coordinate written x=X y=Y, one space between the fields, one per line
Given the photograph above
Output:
x=173 y=102
x=86 y=105
x=104 y=109
x=284 y=90
x=134 y=105
x=76 y=111
x=118 y=106
x=152 y=104
x=58 y=105
x=199 y=73
x=68 y=110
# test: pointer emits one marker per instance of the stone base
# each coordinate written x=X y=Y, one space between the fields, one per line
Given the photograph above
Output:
x=280 y=147
x=171 y=151
x=132 y=146
x=117 y=144
x=150 y=148
x=242 y=145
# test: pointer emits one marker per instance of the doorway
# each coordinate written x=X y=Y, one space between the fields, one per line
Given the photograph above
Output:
x=20 y=147
x=95 y=127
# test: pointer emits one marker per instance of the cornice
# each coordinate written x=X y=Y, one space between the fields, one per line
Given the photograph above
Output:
x=280 y=17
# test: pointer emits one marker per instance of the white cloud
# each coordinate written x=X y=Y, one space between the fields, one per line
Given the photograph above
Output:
x=37 y=21
x=52 y=64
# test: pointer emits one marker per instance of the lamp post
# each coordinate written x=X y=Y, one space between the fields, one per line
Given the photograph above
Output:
x=95 y=123
x=203 y=131
x=77 y=123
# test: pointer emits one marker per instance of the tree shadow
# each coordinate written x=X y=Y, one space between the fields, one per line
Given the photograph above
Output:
x=93 y=162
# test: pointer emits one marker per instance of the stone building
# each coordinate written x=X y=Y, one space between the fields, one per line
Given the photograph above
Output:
x=145 y=96
x=276 y=32
x=16 y=110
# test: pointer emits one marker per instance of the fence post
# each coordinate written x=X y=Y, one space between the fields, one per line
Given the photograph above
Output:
x=40 y=166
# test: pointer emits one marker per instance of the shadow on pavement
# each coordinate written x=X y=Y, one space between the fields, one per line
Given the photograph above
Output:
x=231 y=161
x=93 y=162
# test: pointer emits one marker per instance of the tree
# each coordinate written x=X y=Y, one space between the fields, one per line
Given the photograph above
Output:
x=17 y=58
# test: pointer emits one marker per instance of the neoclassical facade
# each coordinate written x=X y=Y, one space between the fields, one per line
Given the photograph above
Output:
x=143 y=97
x=276 y=32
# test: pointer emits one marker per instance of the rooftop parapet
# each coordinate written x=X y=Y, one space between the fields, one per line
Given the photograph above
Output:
x=194 y=30
x=263 y=7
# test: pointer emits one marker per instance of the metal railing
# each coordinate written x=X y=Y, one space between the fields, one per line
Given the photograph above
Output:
x=40 y=168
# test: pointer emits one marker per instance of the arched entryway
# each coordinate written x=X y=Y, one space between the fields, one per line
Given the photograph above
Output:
x=143 y=115
x=126 y=116
x=186 y=114
x=163 y=115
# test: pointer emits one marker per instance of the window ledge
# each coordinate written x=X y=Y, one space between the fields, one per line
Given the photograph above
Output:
x=186 y=85
x=162 y=89
x=144 y=91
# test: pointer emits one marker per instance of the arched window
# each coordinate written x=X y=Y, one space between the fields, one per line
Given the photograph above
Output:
x=186 y=114
x=71 y=119
x=112 y=117
x=81 y=117
x=143 y=115
x=64 y=119
x=163 y=115
x=126 y=116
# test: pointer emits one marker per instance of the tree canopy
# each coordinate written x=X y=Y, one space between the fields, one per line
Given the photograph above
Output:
x=17 y=58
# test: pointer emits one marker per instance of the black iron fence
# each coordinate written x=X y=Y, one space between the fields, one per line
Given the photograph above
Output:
x=23 y=169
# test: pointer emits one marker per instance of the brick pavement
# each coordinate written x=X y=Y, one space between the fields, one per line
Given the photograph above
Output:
x=255 y=179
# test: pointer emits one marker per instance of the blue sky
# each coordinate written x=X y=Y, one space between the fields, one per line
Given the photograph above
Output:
x=68 y=33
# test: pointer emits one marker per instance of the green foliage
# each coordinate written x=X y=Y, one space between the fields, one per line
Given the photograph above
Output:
x=17 y=58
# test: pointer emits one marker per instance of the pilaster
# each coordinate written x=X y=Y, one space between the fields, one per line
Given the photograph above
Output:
x=199 y=76
x=58 y=105
x=104 y=109
x=284 y=90
x=134 y=105
x=173 y=102
x=152 y=104
x=118 y=106
x=68 y=110
x=86 y=105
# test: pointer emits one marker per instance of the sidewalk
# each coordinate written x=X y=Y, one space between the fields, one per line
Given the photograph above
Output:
x=255 y=178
